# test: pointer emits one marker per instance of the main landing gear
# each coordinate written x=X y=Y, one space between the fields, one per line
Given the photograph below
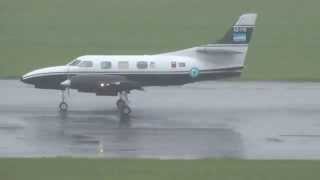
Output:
x=123 y=104
x=63 y=106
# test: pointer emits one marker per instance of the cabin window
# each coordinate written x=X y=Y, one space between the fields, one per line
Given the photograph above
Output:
x=152 y=65
x=182 y=64
x=74 y=63
x=85 y=64
x=142 y=65
x=173 y=64
x=106 y=65
x=123 y=65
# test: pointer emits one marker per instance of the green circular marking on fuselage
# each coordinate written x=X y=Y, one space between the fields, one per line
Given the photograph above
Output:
x=194 y=72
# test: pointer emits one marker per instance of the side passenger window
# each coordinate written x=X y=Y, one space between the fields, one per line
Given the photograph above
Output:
x=173 y=64
x=182 y=64
x=142 y=65
x=106 y=65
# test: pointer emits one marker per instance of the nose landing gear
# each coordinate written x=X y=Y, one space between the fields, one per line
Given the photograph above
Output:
x=63 y=106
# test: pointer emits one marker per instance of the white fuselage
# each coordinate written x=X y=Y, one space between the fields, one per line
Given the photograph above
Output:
x=206 y=60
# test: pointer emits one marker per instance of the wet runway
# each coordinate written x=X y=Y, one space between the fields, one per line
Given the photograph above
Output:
x=247 y=120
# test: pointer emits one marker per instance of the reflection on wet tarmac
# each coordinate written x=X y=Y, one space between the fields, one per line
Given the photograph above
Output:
x=222 y=119
x=87 y=132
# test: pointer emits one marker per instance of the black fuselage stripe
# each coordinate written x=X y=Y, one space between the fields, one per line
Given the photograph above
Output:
x=135 y=73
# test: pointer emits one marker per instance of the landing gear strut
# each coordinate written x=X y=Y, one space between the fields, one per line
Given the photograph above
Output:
x=63 y=106
x=123 y=104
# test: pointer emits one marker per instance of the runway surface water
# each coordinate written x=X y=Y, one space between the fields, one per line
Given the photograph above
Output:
x=246 y=120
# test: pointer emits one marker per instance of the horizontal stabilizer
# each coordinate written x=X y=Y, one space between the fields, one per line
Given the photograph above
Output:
x=208 y=50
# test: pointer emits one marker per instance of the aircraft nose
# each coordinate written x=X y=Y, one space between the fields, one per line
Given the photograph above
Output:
x=28 y=77
x=24 y=78
x=32 y=76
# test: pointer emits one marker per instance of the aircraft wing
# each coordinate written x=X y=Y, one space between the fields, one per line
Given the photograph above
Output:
x=101 y=84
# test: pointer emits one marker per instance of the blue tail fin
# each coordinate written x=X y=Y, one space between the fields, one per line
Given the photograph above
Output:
x=241 y=32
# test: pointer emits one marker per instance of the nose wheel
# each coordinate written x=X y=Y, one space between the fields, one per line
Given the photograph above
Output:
x=123 y=104
x=63 y=106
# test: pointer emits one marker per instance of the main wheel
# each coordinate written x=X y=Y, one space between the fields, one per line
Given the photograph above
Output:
x=125 y=110
x=120 y=104
x=63 y=107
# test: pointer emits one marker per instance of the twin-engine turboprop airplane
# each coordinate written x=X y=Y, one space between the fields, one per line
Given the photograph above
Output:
x=118 y=75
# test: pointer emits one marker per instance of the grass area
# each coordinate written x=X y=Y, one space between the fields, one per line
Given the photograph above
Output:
x=38 y=33
x=69 y=169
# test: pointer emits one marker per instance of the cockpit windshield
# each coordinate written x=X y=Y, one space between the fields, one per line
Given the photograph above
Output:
x=74 y=62
x=81 y=63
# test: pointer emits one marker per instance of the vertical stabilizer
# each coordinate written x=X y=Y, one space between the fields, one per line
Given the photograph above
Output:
x=241 y=32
